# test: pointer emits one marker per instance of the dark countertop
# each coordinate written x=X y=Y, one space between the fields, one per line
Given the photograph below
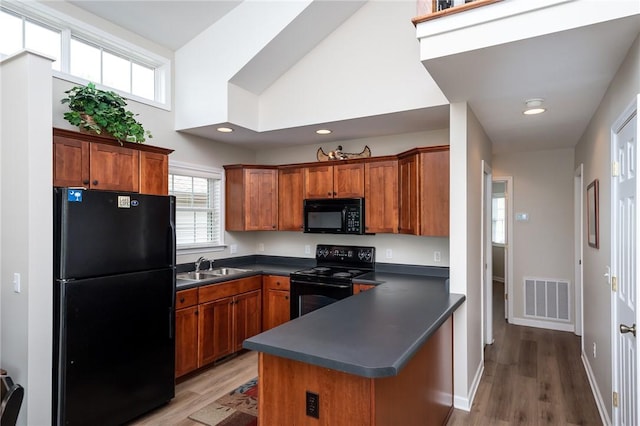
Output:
x=372 y=334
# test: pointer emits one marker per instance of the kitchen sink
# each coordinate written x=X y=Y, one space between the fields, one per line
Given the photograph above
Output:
x=209 y=274
x=226 y=271
x=202 y=275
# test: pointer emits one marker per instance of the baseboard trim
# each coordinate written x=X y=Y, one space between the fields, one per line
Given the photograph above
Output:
x=465 y=403
x=604 y=416
x=542 y=324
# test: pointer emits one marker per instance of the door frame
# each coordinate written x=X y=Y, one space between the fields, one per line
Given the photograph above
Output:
x=508 y=244
x=578 y=214
x=486 y=255
x=628 y=114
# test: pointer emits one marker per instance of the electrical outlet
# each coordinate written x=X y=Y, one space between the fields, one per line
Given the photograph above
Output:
x=594 y=349
x=260 y=246
x=437 y=256
x=233 y=248
x=307 y=249
x=313 y=405
x=389 y=254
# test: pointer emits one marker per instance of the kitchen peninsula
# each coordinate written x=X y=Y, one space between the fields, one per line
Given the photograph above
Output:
x=382 y=357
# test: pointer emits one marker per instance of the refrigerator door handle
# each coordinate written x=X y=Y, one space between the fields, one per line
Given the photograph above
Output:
x=171 y=319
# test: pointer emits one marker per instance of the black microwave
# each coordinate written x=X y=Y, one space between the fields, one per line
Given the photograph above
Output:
x=334 y=216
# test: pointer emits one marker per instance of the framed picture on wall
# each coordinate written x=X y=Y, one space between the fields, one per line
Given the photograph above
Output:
x=592 y=214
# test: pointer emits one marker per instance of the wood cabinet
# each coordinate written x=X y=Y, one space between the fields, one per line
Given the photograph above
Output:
x=381 y=196
x=96 y=162
x=290 y=198
x=230 y=312
x=276 y=303
x=186 y=325
x=423 y=176
x=252 y=198
x=335 y=181
x=359 y=288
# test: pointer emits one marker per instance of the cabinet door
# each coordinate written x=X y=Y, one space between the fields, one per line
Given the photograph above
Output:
x=215 y=330
x=434 y=203
x=381 y=196
x=186 y=340
x=318 y=182
x=247 y=317
x=154 y=173
x=278 y=308
x=290 y=197
x=70 y=162
x=348 y=180
x=114 y=168
x=261 y=202
x=408 y=200
x=359 y=288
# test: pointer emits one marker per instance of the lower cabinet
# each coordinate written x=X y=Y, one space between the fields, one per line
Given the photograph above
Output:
x=187 y=311
x=359 y=288
x=276 y=304
x=225 y=315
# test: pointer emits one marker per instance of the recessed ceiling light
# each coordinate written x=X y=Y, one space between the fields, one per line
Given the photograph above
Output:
x=323 y=131
x=534 y=106
x=225 y=129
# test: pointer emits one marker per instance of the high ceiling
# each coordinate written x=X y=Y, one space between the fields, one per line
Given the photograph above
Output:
x=571 y=70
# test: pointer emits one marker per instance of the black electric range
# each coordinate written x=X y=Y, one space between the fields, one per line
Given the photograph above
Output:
x=332 y=277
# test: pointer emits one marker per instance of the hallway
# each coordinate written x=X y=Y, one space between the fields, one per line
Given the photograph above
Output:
x=532 y=376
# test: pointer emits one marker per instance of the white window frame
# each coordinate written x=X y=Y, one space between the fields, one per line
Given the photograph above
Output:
x=68 y=25
x=187 y=169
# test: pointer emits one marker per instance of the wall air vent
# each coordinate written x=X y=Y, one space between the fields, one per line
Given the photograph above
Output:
x=546 y=298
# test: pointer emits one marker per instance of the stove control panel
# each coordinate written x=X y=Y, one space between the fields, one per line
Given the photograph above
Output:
x=352 y=255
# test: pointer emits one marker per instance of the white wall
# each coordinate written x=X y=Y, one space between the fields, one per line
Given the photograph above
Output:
x=469 y=147
x=26 y=230
x=542 y=246
x=368 y=66
x=593 y=151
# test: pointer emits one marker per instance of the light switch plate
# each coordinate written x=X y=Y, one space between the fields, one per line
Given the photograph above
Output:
x=16 y=282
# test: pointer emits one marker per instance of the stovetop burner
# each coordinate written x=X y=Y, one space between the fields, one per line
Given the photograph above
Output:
x=338 y=263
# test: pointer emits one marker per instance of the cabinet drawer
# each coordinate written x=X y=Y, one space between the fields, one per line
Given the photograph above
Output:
x=186 y=298
x=276 y=282
x=213 y=292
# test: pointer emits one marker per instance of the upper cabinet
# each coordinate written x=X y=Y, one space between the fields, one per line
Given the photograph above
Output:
x=290 y=196
x=101 y=163
x=381 y=196
x=424 y=191
x=251 y=198
x=334 y=181
x=406 y=193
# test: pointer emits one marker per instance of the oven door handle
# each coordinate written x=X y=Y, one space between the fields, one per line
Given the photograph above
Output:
x=317 y=284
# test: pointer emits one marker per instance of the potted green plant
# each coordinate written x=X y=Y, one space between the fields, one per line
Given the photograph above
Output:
x=101 y=111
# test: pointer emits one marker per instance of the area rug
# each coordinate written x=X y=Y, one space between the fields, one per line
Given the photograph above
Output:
x=237 y=408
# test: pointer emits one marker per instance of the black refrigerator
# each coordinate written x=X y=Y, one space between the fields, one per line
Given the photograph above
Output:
x=114 y=292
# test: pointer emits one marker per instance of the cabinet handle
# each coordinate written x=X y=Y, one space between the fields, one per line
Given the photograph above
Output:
x=335 y=193
x=273 y=226
x=286 y=298
x=329 y=194
x=95 y=182
x=197 y=312
x=277 y=282
x=85 y=182
x=182 y=300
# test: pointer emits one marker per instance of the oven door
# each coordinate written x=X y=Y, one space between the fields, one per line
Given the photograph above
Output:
x=307 y=297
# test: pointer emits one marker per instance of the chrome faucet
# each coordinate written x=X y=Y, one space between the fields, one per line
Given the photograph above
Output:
x=203 y=259
x=199 y=262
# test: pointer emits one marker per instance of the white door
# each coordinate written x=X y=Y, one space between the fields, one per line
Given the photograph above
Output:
x=624 y=264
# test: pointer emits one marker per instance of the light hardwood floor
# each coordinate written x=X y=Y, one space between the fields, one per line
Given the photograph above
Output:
x=532 y=376
x=200 y=390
